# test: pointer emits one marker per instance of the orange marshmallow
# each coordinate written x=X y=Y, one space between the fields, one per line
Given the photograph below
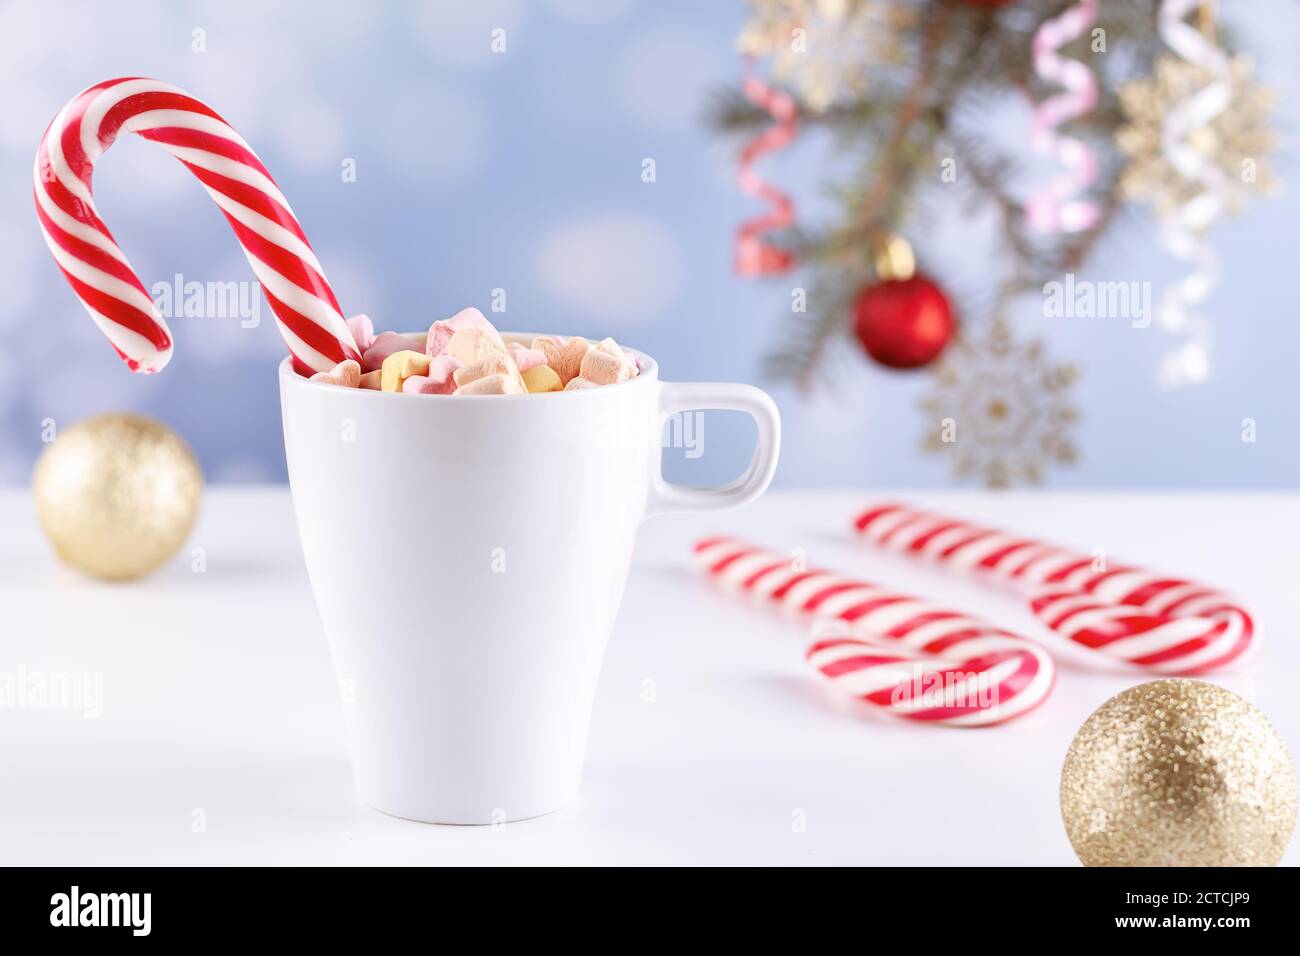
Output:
x=565 y=358
x=607 y=364
x=347 y=373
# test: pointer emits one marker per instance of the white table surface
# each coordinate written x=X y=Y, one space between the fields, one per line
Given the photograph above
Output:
x=220 y=705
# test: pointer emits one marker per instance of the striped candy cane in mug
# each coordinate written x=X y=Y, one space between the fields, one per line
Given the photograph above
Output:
x=1151 y=620
x=899 y=654
x=273 y=242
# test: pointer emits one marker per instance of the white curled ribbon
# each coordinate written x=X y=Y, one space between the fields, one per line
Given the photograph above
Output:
x=1056 y=207
x=1182 y=231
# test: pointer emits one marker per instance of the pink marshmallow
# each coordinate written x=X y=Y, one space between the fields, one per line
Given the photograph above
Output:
x=363 y=330
x=385 y=344
x=442 y=330
x=578 y=382
x=439 y=381
x=442 y=371
x=527 y=358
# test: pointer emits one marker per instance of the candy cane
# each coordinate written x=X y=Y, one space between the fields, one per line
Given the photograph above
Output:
x=1054 y=208
x=1150 y=620
x=905 y=656
x=273 y=242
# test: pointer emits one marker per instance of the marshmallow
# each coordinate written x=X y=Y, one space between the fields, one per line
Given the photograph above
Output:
x=347 y=373
x=428 y=385
x=607 y=364
x=542 y=378
x=400 y=366
x=363 y=331
x=385 y=344
x=440 y=332
x=498 y=363
x=526 y=358
x=437 y=381
x=497 y=384
x=565 y=358
x=473 y=345
x=613 y=348
x=493 y=366
x=466 y=355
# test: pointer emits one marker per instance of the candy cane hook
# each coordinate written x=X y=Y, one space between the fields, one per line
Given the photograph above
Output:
x=305 y=308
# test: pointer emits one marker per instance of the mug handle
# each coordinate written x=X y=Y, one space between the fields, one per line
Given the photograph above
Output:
x=684 y=396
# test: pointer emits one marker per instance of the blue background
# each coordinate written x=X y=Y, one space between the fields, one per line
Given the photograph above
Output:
x=522 y=171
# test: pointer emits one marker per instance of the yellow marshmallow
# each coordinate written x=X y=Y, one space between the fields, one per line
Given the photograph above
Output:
x=370 y=380
x=542 y=378
x=400 y=366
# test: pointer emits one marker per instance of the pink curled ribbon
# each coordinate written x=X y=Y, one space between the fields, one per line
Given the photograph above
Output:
x=1054 y=208
x=755 y=256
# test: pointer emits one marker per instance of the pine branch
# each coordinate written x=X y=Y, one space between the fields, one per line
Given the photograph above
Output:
x=952 y=57
x=883 y=199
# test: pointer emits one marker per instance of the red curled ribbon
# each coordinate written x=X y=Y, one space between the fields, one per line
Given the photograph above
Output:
x=754 y=256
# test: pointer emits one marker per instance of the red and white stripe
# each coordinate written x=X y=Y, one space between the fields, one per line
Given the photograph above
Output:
x=273 y=242
x=903 y=655
x=1151 y=620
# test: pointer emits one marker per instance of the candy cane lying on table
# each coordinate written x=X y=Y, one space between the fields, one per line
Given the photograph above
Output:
x=1161 y=623
x=903 y=655
x=276 y=247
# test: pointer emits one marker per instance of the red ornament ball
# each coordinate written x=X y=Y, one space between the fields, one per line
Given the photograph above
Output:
x=903 y=323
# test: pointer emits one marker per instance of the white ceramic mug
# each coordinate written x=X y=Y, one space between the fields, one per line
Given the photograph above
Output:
x=468 y=555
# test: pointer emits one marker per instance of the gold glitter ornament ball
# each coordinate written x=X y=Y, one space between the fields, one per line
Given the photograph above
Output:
x=117 y=494
x=1178 y=773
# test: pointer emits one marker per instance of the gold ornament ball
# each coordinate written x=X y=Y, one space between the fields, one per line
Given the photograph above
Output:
x=117 y=494
x=1178 y=773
